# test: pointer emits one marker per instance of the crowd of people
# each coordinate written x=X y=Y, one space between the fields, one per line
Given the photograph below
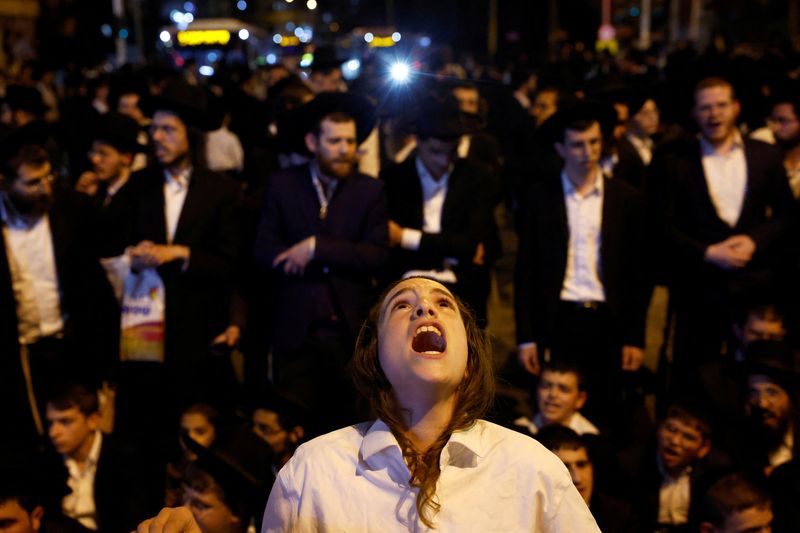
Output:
x=252 y=219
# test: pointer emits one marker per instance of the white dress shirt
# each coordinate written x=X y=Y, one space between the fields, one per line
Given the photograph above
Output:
x=726 y=179
x=224 y=150
x=175 y=190
x=585 y=220
x=79 y=504
x=674 y=497
x=434 y=193
x=34 y=280
x=784 y=452
x=492 y=479
x=577 y=423
x=643 y=146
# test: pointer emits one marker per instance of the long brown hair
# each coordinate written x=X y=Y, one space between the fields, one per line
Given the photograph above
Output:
x=475 y=397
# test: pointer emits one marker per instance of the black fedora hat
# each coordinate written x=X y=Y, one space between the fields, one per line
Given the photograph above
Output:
x=440 y=118
x=120 y=131
x=25 y=98
x=188 y=102
x=774 y=359
x=325 y=58
x=327 y=103
x=582 y=111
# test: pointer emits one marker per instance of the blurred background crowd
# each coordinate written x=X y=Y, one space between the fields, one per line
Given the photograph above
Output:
x=610 y=186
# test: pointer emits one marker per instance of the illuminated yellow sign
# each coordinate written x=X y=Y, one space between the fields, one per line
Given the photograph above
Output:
x=381 y=42
x=200 y=37
x=290 y=41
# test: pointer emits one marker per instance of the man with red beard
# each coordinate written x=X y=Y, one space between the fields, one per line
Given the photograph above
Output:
x=55 y=302
x=323 y=235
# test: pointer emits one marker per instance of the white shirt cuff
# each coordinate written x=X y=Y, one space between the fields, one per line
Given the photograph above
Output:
x=526 y=345
x=410 y=239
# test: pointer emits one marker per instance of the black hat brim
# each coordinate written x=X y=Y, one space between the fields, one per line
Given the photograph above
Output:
x=327 y=103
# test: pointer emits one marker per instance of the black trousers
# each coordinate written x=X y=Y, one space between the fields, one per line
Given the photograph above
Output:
x=586 y=336
x=315 y=376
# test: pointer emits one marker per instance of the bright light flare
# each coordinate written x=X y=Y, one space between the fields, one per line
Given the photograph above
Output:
x=400 y=72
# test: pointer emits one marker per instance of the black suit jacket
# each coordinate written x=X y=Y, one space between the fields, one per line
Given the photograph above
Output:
x=198 y=297
x=639 y=482
x=467 y=220
x=351 y=246
x=91 y=329
x=689 y=221
x=629 y=167
x=542 y=260
x=126 y=489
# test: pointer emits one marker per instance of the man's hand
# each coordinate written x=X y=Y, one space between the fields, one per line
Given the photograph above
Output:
x=529 y=358
x=229 y=337
x=296 y=258
x=632 y=358
x=87 y=183
x=395 y=233
x=146 y=254
x=480 y=255
x=732 y=253
x=170 y=520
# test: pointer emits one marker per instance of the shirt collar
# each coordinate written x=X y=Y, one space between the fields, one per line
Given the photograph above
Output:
x=707 y=149
x=640 y=142
x=569 y=187
x=13 y=218
x=94 y=453
x=463 y=449
x=114 y=189
x=666 y=476
x=180 y=181
x=427 y=178
x=323 y=179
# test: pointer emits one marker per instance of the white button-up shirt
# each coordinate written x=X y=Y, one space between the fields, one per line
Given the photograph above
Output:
x=34 y=280
x=175 y=190
x=80 y=503
x=674 y=497
x=726 y=179
x=492 y=479
x=577 y=423
x=585 y=220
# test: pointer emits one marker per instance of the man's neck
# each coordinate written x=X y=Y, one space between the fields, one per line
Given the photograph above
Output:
x=81 y=455
x=583 y=181
x=325 y=178
x=724 y=145
x=179 y=167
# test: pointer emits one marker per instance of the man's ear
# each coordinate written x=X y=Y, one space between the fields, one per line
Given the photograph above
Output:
x=704 y=449
x=581 y=400
x=36 y=518
x=559 y=149
x=296 y=434
x=311 y=142
x=93 y=420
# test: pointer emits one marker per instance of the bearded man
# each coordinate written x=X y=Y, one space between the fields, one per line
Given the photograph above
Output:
x=56 y=307
x=323 y=234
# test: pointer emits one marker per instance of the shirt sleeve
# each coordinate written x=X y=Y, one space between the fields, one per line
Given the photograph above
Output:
x=282 y=508
x=570 y=513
